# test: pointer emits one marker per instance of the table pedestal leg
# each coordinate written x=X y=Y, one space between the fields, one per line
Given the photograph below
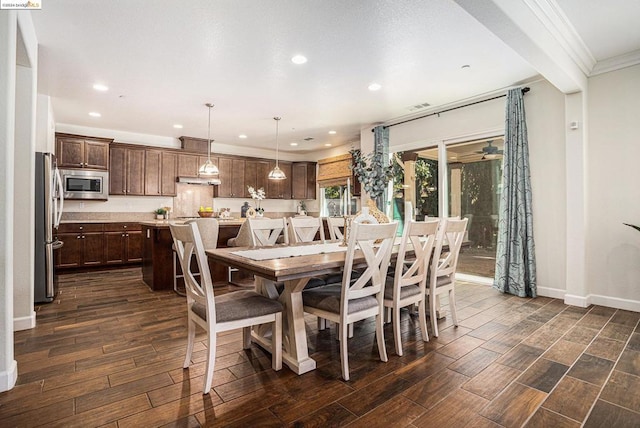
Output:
x=294 y=335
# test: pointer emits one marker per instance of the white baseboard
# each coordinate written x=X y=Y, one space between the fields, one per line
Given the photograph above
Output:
x=573 y=300
x=615 y=302
x=8 y=378
x=554 y=293
x=482 y=280
x=24 y=323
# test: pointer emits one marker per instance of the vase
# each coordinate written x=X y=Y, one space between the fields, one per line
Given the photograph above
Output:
x=259 y=214
x=160 y=217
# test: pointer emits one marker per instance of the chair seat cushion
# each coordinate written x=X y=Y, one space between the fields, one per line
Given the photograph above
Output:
x=240 y=305
x=314 y=282
x=406 y=291
x=334 y=278
x=441 y=281
x=327 y=298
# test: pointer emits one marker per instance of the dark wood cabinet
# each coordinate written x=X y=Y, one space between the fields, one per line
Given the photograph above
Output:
x=255 y=175
x=280 y=189
x=74 y=151
x=98 y=244
x=168 y=169
x=303 y=180
x=160 y=173
x=188 y=164
x=126 y=171
x=123 y=243
x=83 y=245
x=231 y=178
x=152 y=172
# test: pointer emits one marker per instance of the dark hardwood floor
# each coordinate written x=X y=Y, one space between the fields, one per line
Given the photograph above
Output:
x=109 y=353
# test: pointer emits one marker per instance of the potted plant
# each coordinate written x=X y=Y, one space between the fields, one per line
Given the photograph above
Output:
x=373 y=172
x=258 y=195
x=160 y=212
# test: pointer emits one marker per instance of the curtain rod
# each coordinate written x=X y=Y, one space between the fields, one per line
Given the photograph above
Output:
x=524 y=91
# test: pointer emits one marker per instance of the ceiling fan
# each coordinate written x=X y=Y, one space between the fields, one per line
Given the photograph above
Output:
x=490 y=151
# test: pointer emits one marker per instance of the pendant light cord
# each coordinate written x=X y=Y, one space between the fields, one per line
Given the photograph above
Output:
x=277 y=119
x=209 y=133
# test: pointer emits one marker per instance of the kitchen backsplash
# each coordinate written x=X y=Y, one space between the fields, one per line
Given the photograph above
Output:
x=190 y=197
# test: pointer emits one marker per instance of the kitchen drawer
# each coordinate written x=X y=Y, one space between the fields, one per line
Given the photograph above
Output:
x=80 y=227
x=119 y=227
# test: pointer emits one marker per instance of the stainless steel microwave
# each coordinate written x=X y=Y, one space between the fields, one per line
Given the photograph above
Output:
x=85 y=184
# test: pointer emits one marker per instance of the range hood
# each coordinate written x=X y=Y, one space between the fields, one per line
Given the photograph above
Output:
x=199 y=180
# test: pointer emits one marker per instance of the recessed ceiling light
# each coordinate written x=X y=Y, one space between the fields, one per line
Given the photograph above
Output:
x=332 y=132
x=242 y=136
x=328 y=145
x=293 y=144
x=100 y=87
x=299 y=59
x=177 y=126
x=94 y=114
x=375 y=87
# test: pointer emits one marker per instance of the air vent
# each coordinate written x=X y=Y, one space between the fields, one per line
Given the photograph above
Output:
x=418 y=106
x=308 y=139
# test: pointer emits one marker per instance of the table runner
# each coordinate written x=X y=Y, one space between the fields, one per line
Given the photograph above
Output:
x=269 y=253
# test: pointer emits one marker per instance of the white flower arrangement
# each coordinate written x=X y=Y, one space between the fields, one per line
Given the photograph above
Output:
x=258 y=195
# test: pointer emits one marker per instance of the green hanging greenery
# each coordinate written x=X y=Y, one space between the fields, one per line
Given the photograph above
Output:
x=372 y=171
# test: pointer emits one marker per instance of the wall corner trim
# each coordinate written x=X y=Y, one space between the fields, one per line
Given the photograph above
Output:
x=24 y=323
x=8 y=378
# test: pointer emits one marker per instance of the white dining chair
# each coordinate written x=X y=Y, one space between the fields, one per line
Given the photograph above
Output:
x=305 y=229
x=336 y=227
x=349 y=301
x=240 y=309
x=267 y=231
x=444 y=263
x=409 y=282
x=209 y=229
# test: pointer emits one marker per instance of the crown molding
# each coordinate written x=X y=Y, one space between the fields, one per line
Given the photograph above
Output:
x=553 y=18
x=616 y=63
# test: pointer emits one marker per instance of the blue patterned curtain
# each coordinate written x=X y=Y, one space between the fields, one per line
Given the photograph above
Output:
x=381 y=147
x=515 y=257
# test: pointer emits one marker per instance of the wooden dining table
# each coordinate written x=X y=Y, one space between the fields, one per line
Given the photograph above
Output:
x=294 y=272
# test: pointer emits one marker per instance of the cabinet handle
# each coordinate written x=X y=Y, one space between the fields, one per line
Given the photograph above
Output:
x=124 y=227
x=82 y=236
x=78 y=237
x=123 y=234
x=81 y=227
x=127 y=235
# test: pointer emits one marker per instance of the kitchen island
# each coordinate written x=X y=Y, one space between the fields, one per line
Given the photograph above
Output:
x=157 y=253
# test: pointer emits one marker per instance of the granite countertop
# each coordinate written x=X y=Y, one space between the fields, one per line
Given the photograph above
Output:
x=165 y=223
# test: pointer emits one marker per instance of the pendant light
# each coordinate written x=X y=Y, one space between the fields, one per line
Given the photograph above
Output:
x=208 y=168
x=276 y=173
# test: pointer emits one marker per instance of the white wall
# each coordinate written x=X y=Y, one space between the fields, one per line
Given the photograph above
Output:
x=613 y=250
x=8 y=32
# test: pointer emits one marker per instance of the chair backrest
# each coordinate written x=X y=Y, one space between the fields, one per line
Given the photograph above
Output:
x=208 y=228
x=418 y=237
x=375 y=242
x=187 y=242
x=451 y=233
x=266 y=231
x=304 y=229
x=336 y=227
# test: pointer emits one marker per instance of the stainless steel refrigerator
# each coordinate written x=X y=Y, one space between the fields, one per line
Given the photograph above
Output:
x=48 y=211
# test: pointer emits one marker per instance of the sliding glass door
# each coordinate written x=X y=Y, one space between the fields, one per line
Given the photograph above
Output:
x=461 y=180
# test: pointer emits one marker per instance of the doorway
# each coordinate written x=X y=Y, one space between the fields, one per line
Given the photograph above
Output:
x=463 y=179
